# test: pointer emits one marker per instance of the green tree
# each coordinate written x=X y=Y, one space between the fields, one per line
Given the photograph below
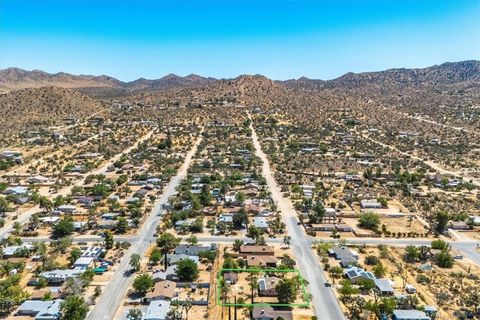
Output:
x=64 y=227
x=287 y=263
x=254 y=233
x=4 y=205
x=73 y=308
x=318 y=213
x=108 y=239
x=122 y=225
x=134 y=314
x=411 y=253
x=369 y=220
x=382 y=201
x=239 y=219
x=441 y=221
x=240 y=197
x=237 y=244
x=379 y=270
x=444 y=259
x=135 y=261
x=192 y=240
x=439 y=244
x=286 y=291
x=143 y=283
x=101 y=190
x=74 y=255
x=365 y=284
x=45 y=204
x=167 y=242
x=155 y=256
x=387 y=305
x=371 y=260
x=347 y=289
x=205 y=196
x=187 y=270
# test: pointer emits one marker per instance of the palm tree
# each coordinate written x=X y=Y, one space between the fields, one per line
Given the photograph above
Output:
x=253 y=284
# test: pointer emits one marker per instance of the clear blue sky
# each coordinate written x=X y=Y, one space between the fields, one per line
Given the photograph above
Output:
x=129 y=39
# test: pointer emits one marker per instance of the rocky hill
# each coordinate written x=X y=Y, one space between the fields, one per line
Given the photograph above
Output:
x=33 y=108
x=464 y=72
x=15 y=78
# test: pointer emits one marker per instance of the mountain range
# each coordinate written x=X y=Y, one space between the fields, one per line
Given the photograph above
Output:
x=466 y=72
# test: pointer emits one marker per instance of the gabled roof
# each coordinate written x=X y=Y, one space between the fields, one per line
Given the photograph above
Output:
x=165 y=288
x=384 y=285
x=410 y=315
x=260 y=260
x=254 y=249
x=265 y=312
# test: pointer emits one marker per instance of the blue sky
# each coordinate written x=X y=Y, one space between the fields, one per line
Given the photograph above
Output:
x=129 y=39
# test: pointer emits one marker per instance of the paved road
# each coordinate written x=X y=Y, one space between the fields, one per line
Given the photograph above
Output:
x=116 y=289
x=324 y=302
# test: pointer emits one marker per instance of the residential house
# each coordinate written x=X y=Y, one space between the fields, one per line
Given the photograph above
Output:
x=51 y=312
x=409 y=315
x=267 y=285
x=59 y=276
x=184 y=224
x=225 y=218
x=110 y=215
x=410 y=289
x=17 y=191
x=346 y=256
x=40 y=310
x=140 y=194
x=173 y=259
x=107 y=224
x=157 y=310
x=325 y=227
x=355 y=273
x=261 y=261
x=37 y=179
x=67 y=208
x=384 y=286
x=256 y=250
x=193 y=250
x=169 y=274
x=370 y=204
x=458 y=225
x=270 y=313
x=162 y=290
x=11 y=251
x=261 y=223
x=342 y=227
x=83 y=263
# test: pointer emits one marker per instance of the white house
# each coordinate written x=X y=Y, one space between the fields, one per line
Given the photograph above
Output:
x=157 y=310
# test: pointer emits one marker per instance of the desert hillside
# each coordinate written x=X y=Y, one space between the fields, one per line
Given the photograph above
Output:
x=30 y=109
